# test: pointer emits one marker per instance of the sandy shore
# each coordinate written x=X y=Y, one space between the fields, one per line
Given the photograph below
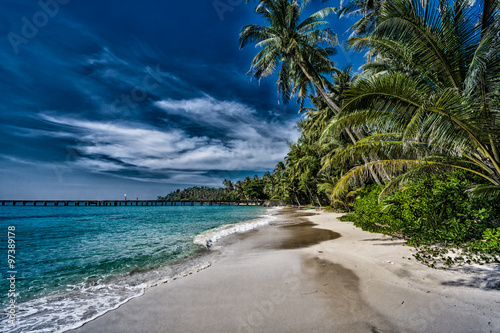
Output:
x=317 y=276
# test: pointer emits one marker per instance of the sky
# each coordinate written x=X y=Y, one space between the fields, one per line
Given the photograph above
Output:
x=102 y=98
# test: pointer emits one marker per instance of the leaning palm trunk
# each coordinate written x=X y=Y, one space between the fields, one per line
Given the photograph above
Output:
x=297 y=199
x=311 y=197
x=289 y=41
x=335 y=108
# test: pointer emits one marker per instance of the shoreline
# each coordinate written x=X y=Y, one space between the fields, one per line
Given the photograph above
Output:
x=70 y=308
x=409 y=294
x=321 y=275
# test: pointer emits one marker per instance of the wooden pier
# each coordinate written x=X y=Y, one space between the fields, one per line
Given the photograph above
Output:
x=113 y=203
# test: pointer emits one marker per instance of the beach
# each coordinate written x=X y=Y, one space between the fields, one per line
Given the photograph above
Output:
x=309 y=272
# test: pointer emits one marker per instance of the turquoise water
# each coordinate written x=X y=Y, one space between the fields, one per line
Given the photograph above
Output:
x=74 y=263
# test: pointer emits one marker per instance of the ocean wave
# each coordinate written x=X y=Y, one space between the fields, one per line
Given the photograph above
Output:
x=85 y=302
x=79 y=304
x=62 y=312
x=209 y=237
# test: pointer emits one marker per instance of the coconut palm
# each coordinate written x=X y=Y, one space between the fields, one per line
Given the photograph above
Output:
x=436 y=103
x=279 y=182
x=302 y=48
x=228 y=184
x=369 y=11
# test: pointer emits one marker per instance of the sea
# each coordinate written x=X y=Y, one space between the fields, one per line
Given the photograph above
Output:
x=73 y=264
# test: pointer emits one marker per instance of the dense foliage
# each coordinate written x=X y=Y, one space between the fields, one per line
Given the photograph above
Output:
x=436 y=210
x=248 y=189
x=385 y=141
x=194 y=193
x=429 y=98
x=430 y=210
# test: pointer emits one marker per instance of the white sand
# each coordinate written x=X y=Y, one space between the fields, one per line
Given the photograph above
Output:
x=410 y=295
x=276 y=280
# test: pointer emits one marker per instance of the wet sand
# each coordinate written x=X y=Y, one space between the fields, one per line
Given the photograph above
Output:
x=319 y=275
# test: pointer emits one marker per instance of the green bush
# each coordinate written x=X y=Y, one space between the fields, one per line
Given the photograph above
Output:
x=368 y=213
x=431 y=211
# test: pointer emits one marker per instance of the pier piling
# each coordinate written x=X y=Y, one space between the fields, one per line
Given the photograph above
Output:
x=111 y=203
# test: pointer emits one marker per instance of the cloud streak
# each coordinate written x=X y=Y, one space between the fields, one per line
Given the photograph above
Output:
x=247 y=141
x=106 y=96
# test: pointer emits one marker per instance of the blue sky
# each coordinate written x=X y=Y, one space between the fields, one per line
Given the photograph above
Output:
x=103 y=98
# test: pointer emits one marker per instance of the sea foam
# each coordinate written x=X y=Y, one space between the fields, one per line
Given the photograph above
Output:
x=82 y=302
x=209 y=237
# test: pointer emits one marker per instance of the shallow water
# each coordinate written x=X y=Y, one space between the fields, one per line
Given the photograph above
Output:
x=304 y=235
x=75 y=263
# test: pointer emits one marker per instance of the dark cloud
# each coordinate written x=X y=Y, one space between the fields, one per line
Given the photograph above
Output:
x=103 y=96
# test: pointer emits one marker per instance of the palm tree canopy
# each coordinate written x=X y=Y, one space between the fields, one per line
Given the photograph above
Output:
x=434 y=99
x=369 y=11
x=301 y=48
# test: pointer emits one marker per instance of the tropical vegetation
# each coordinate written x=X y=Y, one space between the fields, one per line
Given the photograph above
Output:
x=255 y=188
x=411 y=143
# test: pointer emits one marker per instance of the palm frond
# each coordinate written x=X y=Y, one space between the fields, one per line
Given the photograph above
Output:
x=483 y=191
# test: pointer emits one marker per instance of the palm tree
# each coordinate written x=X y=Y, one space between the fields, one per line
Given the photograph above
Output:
x=282 y=188
x=303 y=164
x=302 y=48
x=239 y=189
x=436 y=104
x=369 y=11
x=228 y=184
x=298 y=47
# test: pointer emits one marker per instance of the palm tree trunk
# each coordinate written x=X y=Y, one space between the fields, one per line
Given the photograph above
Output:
x=335 y=108
x=310 y=195
x=317 y=197
x=319 y=202
x=297 y=199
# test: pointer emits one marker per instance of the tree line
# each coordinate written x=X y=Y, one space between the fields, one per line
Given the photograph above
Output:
x=255 y=188
x=426 y=101
x=420 y=117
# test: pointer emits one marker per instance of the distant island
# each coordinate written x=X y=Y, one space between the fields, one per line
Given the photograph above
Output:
x=248 y=189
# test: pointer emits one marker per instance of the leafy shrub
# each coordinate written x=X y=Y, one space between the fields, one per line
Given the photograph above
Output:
x=431 y=211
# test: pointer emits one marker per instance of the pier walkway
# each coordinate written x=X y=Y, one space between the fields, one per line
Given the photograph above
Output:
x=113 y=203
